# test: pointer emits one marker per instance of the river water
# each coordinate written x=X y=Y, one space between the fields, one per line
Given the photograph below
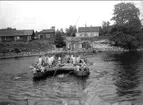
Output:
x=121 y=79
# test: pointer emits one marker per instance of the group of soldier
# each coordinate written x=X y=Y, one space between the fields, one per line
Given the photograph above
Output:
x=52 y=60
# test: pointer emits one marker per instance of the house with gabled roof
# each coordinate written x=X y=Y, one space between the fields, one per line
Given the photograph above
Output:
x=7 y=35
x=88 y=31
x=46 y=34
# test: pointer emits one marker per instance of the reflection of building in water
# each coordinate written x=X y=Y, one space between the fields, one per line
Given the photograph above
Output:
x=127 y=79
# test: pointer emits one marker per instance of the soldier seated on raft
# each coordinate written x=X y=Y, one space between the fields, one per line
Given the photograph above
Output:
x=80 y=65
x=40 y=65
x=40 y=68
x=41 y=61
x=37 y=68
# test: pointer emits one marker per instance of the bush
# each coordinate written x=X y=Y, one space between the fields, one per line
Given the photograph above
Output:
x=59 y=41
x=125 y=41
x=16 y=50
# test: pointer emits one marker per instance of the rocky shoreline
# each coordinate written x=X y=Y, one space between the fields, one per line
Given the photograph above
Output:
x=95 y=50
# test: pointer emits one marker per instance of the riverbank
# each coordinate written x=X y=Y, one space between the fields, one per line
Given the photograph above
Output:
x=41 y=47
x=32 y=46
x=26 y=54
x=53 y=52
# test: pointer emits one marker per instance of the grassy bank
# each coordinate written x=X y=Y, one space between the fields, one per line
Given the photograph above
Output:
x=32 y=46
x=40 y=47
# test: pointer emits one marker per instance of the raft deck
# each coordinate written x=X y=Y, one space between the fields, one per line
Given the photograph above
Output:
x=53 y=71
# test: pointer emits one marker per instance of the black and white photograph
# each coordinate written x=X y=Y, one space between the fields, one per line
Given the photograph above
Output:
x=71 y=52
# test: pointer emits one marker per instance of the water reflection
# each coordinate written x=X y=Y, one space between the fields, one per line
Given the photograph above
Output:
x=126 y=74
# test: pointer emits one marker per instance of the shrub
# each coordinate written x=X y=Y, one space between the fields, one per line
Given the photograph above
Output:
x=125 y=41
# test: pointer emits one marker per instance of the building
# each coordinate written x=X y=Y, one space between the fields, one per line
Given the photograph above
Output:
x=46 y=34
x=73 y=43
x=88 y=31
x=7 y=35
x=76 y=43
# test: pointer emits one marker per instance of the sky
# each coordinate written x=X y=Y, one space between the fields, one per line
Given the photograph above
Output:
x=40 y=15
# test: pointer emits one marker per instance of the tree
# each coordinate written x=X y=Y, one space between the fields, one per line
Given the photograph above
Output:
x=124 y=40
x=125 y=13
x=71 y=31
x=53 y=27
x=142 y=23
x=62 y=32
x=127 y=28
x=59 y=41
x=105 y=29
x=9 y=28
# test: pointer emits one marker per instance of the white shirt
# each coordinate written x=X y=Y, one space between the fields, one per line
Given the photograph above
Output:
x=77 y=59
x=40 y=60
x=74 y=60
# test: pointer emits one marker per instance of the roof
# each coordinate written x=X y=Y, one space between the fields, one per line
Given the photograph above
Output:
x=88 y=29
x=47 y=31
x=16 y=32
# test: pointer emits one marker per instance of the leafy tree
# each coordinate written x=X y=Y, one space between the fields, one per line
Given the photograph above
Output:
x=127 y=28
x=59 y=41
x=53 y=27
x=71 y=31
x=62 y=32
x=125 y=40
x=105 y=29
x=125 y=13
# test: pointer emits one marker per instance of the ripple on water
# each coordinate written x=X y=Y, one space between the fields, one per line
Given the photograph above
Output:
x=113 y=79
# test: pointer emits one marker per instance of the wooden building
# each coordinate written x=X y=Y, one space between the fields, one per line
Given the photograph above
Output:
x=46 y=34
x=7 y=35
x=73 y=43
x=88 y=31
x=77 y=43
